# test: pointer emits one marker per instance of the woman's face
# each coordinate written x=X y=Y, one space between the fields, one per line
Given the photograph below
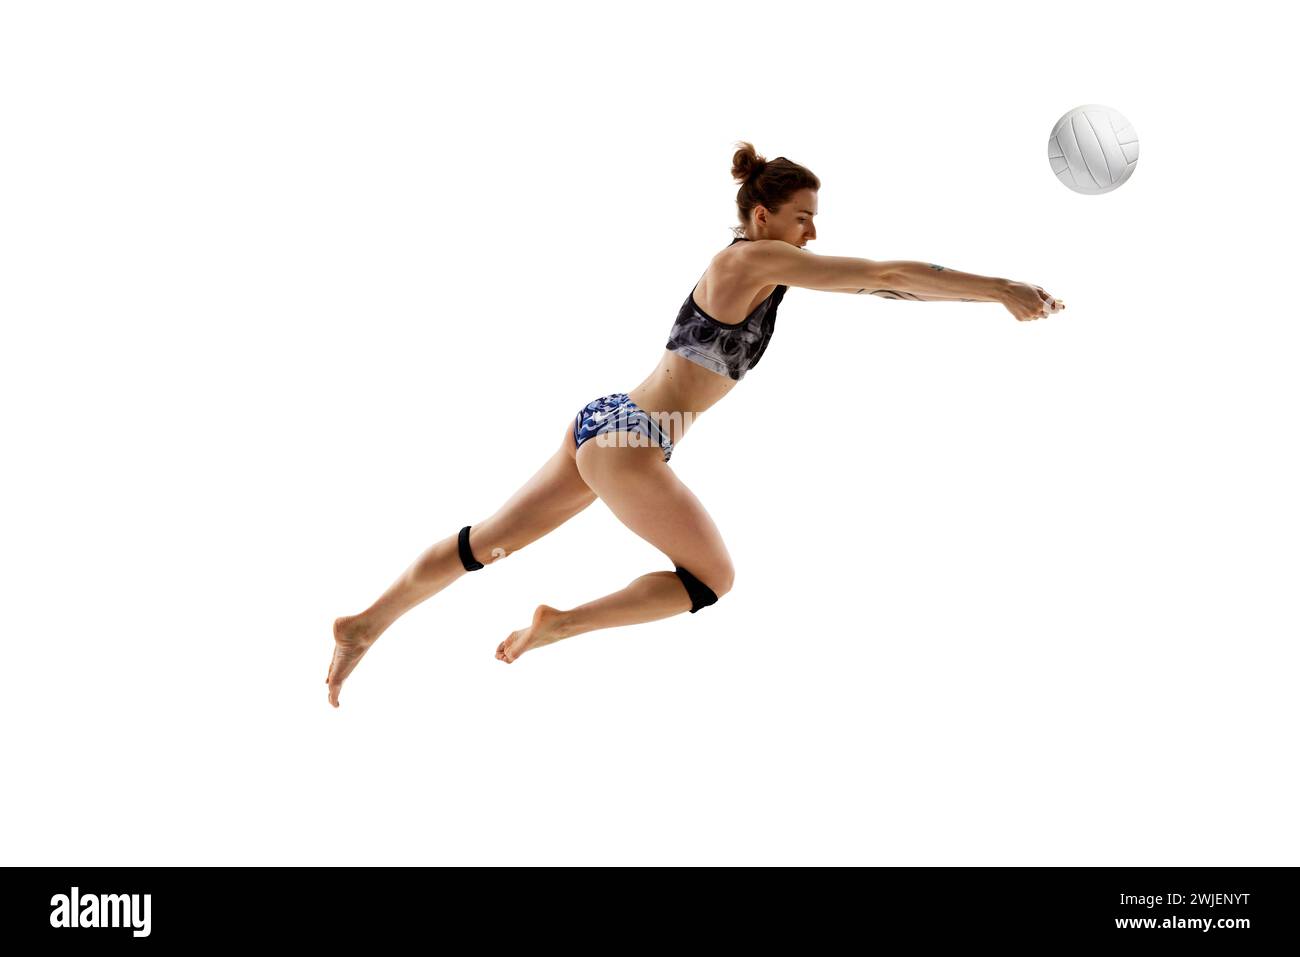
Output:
x=794 y=223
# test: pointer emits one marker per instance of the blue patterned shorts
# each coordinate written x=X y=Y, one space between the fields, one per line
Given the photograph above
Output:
x=617 y=413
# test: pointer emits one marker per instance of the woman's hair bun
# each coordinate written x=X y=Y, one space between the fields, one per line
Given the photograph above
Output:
x=746 y=162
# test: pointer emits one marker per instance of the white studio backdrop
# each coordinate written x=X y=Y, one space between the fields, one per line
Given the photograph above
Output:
x=290 y=291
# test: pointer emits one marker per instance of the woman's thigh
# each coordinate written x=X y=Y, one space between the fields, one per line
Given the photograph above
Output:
x=553 y=495
x=648 y=497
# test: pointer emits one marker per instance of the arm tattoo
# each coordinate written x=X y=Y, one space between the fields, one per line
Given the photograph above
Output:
x=894 y=294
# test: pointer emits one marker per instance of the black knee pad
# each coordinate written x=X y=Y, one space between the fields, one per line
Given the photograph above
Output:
x=466 y=556
x=701 y=594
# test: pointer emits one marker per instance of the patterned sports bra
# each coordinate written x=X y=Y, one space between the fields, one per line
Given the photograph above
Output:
x=725 y=348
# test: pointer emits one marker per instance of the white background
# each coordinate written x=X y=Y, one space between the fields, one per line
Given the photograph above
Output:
x=292 y=290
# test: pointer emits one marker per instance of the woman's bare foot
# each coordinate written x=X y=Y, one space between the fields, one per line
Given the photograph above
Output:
x=352 y=638
x=543 y=631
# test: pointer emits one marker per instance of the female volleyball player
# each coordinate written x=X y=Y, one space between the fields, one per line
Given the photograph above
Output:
x=617 y=448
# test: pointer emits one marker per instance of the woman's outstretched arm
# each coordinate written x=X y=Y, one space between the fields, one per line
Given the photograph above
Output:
x=926 y=282
x=929 y=281
x=776 y=261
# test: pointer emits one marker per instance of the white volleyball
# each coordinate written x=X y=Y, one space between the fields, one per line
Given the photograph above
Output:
x=1093 y=149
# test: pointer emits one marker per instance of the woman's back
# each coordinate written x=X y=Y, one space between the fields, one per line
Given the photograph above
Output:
x=720 y=333
x=727 y=291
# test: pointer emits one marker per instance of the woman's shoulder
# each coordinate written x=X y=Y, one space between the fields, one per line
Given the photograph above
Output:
x=745 y=261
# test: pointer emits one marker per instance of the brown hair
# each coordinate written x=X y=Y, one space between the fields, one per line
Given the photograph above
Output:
x=769 y=183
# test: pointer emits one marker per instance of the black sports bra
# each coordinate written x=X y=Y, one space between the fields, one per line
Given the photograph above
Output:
x=724 y=348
